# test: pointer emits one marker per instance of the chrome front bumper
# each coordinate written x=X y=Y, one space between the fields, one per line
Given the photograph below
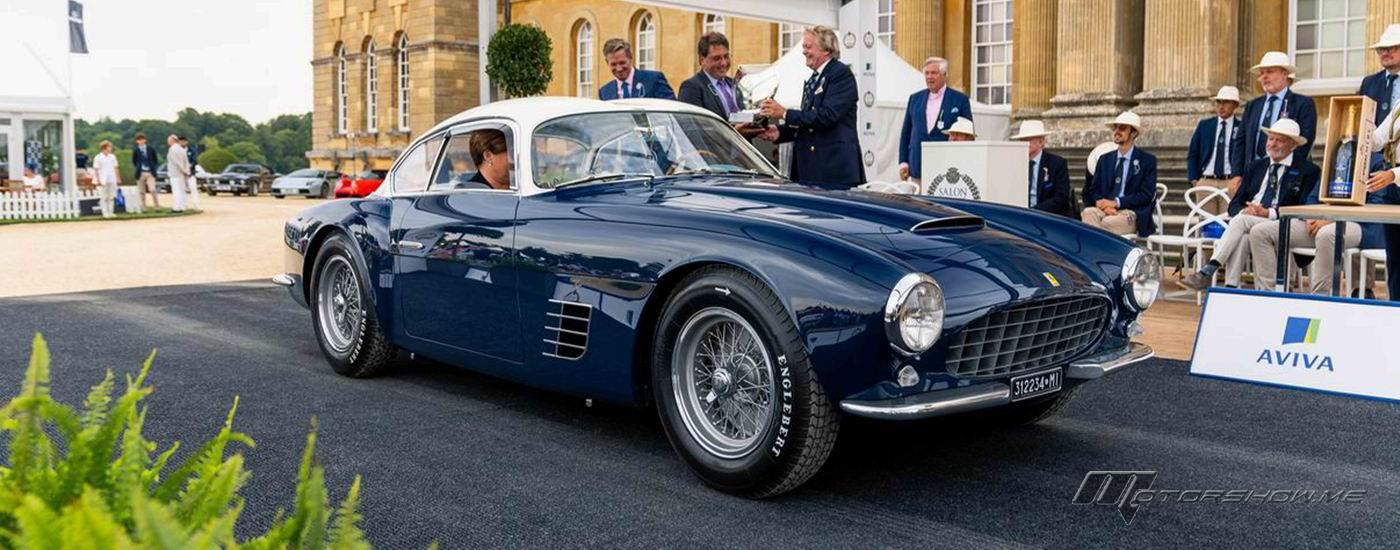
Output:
x=990 y=394
x=293 y=283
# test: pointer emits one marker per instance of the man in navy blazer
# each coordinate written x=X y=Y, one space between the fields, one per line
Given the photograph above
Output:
x=826 y=146
x=144 y=161
x=1381 y=86
x=928 y=116
x=1120 y=196
x=630 y=81
x=1048 y=174
x=1381 y=186
x=1283 y=178
x=1215 y=157
x=1278 y=101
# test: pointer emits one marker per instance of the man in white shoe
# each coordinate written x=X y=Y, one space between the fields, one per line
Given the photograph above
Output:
x=177 y=165
x=1281 y=178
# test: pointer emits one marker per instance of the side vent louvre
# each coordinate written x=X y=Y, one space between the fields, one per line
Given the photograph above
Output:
x=568 y=330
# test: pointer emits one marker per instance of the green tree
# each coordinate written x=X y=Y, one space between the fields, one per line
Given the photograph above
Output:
x=518 y=60
x=215 y=159
x=247 y=151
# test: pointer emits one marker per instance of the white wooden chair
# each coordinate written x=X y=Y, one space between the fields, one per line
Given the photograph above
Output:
x=1347 y=256
x=899 y=188
x=1191 y=238
x=1367 y=256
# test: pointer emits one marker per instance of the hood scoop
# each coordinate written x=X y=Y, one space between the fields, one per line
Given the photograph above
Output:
x=950 y=223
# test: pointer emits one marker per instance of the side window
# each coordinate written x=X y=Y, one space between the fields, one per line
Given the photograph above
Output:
x=481 y=158
x=412 y=174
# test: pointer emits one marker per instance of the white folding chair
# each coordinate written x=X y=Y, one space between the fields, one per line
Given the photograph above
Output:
x=1347 y=256
x=1191 y=238
x=899 y=188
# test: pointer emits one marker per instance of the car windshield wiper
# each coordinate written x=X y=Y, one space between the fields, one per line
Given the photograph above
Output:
x=603 y=177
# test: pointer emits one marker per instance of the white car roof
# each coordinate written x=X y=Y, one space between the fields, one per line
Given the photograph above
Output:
x=530 y=112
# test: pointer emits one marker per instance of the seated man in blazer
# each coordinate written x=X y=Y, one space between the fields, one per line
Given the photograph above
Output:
x=1048 y=175
x=1216 y=155
x=629 y=81
x=826 y=147
x=1120 y=197
x=929 y=115
x=1283 y=178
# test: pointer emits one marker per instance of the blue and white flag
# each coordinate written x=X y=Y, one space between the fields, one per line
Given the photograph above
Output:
x=77 y=41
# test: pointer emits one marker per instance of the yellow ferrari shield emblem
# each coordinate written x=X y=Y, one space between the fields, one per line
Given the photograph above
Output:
x=1051 y=278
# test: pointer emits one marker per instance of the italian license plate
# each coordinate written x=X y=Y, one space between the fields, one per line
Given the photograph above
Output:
x=223 y=187
x=1033 y=385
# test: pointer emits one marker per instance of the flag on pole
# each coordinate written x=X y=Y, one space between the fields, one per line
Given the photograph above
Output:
x=77 y=41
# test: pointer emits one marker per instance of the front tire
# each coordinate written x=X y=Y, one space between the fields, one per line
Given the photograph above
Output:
x=735 y=391
x=343 y=314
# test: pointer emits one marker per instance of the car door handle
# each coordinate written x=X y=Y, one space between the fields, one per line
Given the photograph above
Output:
x=410 y=245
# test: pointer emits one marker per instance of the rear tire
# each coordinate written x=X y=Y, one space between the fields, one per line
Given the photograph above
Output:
x=343 y=315
x=735 y=391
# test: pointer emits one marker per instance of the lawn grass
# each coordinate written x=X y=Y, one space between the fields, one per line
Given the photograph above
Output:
x=149 y=213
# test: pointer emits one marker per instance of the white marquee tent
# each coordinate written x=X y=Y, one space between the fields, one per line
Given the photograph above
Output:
x=36 y=114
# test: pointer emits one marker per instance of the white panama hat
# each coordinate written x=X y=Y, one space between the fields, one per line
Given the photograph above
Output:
x=963 y=126
x=1287 y=127
x=1101 y=150
x=1390 y=38
x=1275 y=59
x=1227 y=93
x=1030 y=129
x=1128 y=118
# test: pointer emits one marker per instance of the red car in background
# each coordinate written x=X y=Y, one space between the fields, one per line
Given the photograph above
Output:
x=361 y=185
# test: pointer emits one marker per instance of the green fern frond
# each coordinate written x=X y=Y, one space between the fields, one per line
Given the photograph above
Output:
x=156 y=526
x=98 y=402
x=345 y=531
x=38 y=525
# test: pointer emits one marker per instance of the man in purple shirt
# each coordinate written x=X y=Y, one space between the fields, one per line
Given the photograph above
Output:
x=711 y=87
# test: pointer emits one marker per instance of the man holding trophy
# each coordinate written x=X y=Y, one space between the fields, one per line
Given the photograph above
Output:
x=711 y=88
x=826 y=145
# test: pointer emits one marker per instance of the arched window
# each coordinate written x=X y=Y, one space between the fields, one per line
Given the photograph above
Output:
x=403 y=88
x=646 y=42
x=371 y=89
x=583 y=60
x=713 y=23
x=342 y=94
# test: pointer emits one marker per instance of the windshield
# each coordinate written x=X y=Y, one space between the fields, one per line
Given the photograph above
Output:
x=242 y=169
x=582 y=146
x=305 y=173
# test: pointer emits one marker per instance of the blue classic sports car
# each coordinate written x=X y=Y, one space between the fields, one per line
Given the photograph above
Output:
x=641 y=252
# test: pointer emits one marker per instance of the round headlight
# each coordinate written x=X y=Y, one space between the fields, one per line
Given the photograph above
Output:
x=914 y=313
x=1142 y=278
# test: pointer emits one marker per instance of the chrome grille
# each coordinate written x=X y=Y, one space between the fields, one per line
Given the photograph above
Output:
x=1027 y=337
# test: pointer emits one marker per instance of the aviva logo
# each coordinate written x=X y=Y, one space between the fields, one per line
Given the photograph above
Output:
x=1301 y=330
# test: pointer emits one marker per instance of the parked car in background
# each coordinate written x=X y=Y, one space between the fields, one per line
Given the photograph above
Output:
x=163 y=178
x=361 y=185
x=239 y=179
x=306 y=182
x=642 y=252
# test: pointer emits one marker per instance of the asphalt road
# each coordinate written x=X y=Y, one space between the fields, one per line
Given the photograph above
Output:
x=472 y=461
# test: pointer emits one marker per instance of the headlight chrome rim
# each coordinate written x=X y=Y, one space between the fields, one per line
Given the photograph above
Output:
x=898 y=303
x=1142 y=279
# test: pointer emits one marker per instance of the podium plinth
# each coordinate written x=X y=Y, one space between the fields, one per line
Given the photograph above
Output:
x=993 y=171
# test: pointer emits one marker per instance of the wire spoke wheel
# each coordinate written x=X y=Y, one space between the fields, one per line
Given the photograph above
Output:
x=723 y=382
x=341 y=312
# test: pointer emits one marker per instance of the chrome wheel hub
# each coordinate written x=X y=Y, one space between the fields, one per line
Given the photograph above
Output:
x=722 y=380
x=338 y=301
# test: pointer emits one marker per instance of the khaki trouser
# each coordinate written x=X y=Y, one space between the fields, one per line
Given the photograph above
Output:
x=147 y=184
x=1232 y=250
x=1216 y=205
x=107 y=199
x=1122 y=223
x=1264 y=242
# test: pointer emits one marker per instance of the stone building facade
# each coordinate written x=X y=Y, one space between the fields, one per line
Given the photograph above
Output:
x=385 y=71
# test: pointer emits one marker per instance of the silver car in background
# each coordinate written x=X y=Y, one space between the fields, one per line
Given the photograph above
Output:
x=306 y=182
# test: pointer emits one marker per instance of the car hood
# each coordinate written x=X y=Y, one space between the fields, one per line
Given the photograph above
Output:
x=971 y=260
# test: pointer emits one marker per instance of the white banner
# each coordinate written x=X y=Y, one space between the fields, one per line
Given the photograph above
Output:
x=1301 y=341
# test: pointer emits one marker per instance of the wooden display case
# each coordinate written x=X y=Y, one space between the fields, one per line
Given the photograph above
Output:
x=1364 y=125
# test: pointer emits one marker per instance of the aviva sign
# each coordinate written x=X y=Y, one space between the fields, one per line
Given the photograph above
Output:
x=1278 y=339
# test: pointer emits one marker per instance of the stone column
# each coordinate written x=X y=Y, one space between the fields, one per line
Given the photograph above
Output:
x=1033 y=57
x=918 y=30
x=1188 y=53
x=1266 y=30
x=1099 y=70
